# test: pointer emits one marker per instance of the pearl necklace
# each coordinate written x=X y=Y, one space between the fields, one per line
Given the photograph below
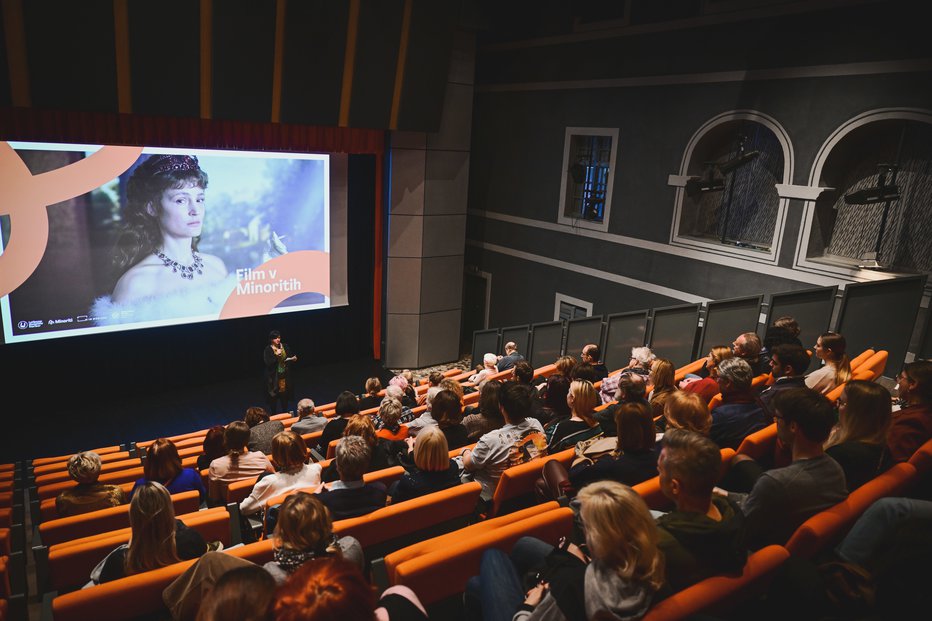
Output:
x=185 y=271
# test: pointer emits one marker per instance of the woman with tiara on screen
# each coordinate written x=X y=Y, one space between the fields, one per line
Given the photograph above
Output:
x=161 y=273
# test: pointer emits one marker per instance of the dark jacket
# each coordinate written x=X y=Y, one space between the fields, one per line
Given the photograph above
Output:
x=417 y=482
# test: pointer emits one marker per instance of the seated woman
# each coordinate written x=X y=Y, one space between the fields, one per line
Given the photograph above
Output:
x=213 y=447
x=383 y=453
x=859 y=441
x=371 y=398
x=163 y=465
x=289 y=456
x=707 y=387
x=261 y=429
x=489 y=416
x=830 y=348
x=88 y=495
x=447 y=409
x=239 y=463
x=615 y=576
x=662 y=376
x=304 y=533
x=390 y=428
x=157 y=539
x=582 y=400
x=554 y=407
x=432 y=471
x=242 y=593
x=684 y=410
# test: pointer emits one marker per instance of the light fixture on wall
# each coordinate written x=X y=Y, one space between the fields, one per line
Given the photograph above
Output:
x=884 y=192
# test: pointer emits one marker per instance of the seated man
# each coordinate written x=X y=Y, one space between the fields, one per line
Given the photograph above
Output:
x=740 y=413
x=632 y=387
x=704 y=535
x=748 y=347
x=784 y=498
x=912 y=424
x=510 y=358
x=788 y=365
x=350 y=496
x=520 y=440
x=592 y=355
x=309 y=420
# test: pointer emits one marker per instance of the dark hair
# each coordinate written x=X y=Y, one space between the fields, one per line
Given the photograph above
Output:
x=163 y=463
x=213 y=443
x=245 y=593
x=347 y=404
x=524 y=372
x=635 y=423
x=585 y=371
x=557 y=388
x=811 y=411
x=255 y=416
x=516 y=401
x=693 y=459
x=488 y=400
x=235 y=437
x=446 y=409
x=594 y=352
x=920 y=371
x=274 y=334
x=793 y=356
x=633 y=385
x=140 y=232
x=434 y=378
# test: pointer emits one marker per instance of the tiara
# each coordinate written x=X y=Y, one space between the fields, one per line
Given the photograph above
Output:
x=169 y=163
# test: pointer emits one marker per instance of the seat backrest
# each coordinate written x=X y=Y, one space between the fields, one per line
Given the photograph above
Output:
x=858 y=360
x=62 y=466
x=654 y=497
x=442 y=573
x=107 y=468
x=127 y=475
x=236 y=491
x=828 y=527
x=48 y=511
x=875 y=364
x=518 y=481
x=53 y=532
x=761 y=444
x=922 y=458
x=761 y=380
x=692 y=367
x=104 y=450
x=720 y=593
x=715 y=401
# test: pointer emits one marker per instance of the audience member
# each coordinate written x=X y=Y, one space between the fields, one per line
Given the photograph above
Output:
x=382 y=453
x=347 y=405
x=585 y=371
x=289 y=456
x=553 y=406
x=912 y=424
x=632 y=388
x=433 y=379
x=830 y=348
x=390 y=427
x=510 y=358
x=351 y=496
x=641 y=359
x=88 y=495
x=245 y=593
x=304 y=532
x=432 y=470
x=239 y=463
x=489 y=416
x=859 y=441
x=524 y=373
x=581 y=425
x=707 y=387
x=213 y=447
x=591 y=354
x=748 y=347
x=783 y=498
x=684 y=410
x=784 y=331
x=394 y=392
x=618 y=581
x=788 y=364
x=371 y=398
x=261 y=429
x=426 y=419
x=447 y=409
x=409 y=398
x=157 y=538
x=520 y=440
x=309 y=420
x=704 y=534
x=661 y=378
x=488 y=369
x=163 y=465
x=740 y=413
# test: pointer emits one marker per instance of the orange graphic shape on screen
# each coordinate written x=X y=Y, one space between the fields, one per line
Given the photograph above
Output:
x=262 y=288
x=24 y=198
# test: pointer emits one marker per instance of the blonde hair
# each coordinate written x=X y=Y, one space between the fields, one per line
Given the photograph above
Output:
x=662 y=375
x=621 y=533
x=867 y=415
x=431 y=451
x=289 y=452
x=390 y=411
x=585 y=400
x=717 y=354
x=152 y=520
x=304 y=523
x=565 y=365
x=84 y=467
x=686 y=410
x=453 y=386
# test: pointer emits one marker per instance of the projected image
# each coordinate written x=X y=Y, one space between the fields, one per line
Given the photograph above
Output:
x=107 y=238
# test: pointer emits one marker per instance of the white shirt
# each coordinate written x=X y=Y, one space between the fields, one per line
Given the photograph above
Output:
x=280 y=483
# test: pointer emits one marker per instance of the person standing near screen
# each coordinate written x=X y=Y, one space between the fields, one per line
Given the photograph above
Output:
x=278 y=358
x=161 y=274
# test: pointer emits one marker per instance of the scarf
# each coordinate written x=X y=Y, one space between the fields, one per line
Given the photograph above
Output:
x=290 y=559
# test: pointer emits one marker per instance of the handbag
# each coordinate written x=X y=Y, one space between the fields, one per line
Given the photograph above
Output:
x=591 y=449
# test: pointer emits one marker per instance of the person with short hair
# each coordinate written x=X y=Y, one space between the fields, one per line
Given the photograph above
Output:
x=351 y=496
x=309 y=419
x=390 y=427
x=783 y=498
x=289 y=456
x=371 y=398
x=510 y=358
x=163 y=465
x=685 y=410
x=383 y=453
x=912 y=424
x=88 y=495
x=261 y=429
x=704 y=535
x=591 y=354
x=703 y=383
x=246 y=593
x=641 y=359
x=831 y=348
x=347 y=405
x=783 y=331
x=278 y=358
x=788 y=364
x=740 y=413
x=489 y=368
x=748 y=347
x=631 y=388
x=447 y=409
x=432 y=470
x=213 y=447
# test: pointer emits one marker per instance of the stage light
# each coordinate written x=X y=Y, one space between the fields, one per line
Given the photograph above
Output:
x=737 y=162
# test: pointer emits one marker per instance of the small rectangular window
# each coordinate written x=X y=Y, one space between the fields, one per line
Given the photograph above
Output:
x=566 y=307
x=588 y=170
